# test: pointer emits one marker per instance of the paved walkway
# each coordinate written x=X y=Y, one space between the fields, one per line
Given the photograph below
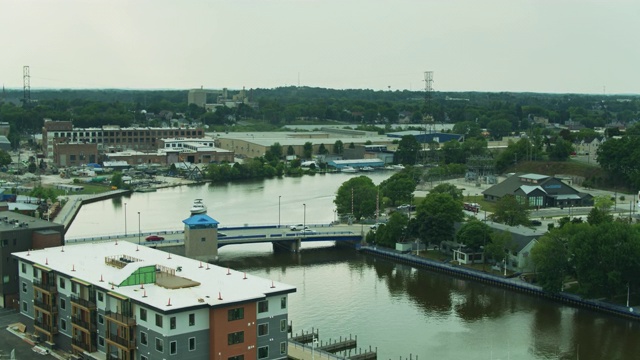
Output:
x=74 y=202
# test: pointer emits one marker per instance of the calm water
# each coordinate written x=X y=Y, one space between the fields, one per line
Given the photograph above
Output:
x=401 y=310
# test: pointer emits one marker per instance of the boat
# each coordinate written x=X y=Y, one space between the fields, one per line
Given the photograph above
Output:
x=198 y=207
x=398 y=167
x=367 y=168
x=348 y=169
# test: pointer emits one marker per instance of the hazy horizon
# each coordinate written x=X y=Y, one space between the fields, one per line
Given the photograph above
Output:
x=525 y=46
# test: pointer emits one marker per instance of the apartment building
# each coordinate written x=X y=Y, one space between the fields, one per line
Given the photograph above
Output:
x=119 y=300
x=20 y=232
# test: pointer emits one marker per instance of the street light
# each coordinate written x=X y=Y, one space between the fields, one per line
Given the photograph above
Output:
x=139 y=228
x=304 y=218
x=125 y=219
x=279 y=196
x=313 y=345
x=335 y=215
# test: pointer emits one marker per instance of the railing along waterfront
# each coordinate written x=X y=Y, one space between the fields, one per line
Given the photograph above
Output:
x=511 y=283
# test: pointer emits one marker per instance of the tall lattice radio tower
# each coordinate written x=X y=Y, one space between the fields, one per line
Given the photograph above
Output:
x=26 y=80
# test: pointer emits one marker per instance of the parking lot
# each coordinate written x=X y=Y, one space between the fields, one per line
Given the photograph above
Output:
x=9 y=341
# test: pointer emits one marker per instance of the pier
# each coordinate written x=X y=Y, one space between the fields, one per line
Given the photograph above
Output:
x=307 y=346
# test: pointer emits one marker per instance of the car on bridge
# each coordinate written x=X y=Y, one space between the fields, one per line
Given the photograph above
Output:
x=306 y=230
x=154 y=238
x=296 y=227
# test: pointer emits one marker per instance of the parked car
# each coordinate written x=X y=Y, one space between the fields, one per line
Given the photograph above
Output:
x=375 y=226
x=536 y=222
x=154 y=238
x=296 y=227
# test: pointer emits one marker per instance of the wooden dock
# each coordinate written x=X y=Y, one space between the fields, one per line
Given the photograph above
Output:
x=307 y=347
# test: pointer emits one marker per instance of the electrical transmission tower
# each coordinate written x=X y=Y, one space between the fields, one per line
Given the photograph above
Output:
x=26 y=80
x=428 y=117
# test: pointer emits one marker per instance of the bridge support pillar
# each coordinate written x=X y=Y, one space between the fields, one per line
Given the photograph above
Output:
x=286 y=246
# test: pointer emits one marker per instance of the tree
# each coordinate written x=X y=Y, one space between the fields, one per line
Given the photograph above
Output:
x=398 y=188
x=561 y=150
x=116 y=180
x=474 y=234
x=276 y=150
x=407 y=152
x=551 y=258
x=510 y=211
x=436 y=216
x=499 y=128
x=338 y=147
x=393 y=231
x=290 y=151
x=446 y=188
x=5 y=158
x=307 y=150
x=322 y=150
x=360 y=192
x=499 y=245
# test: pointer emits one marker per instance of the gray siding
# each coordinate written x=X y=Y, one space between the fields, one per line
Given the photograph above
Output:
x=274 y=337
x=200 y=353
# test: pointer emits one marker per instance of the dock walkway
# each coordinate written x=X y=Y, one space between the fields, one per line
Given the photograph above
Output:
x=75 y=202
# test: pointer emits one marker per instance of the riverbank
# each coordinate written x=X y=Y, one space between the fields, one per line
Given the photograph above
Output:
x=514 y=284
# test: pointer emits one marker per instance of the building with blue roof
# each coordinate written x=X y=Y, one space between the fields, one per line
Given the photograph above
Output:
x=201 y=237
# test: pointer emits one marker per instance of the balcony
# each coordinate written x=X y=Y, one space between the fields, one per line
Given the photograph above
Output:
x=45 y=287
x=127 y=344
x=45 y=327
x=82 y=345
x=87 y=304
x=120 y=318
x=86 y=325
x=45 y=307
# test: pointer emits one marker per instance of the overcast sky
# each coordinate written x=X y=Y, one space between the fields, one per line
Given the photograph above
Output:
x=577 y=46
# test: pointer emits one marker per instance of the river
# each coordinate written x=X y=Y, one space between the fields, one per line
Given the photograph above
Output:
x=403 y=311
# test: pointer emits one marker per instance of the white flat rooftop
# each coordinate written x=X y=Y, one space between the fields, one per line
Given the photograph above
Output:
x=194 y=284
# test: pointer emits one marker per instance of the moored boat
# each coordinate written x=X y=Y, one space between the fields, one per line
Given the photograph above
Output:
x=198 y=207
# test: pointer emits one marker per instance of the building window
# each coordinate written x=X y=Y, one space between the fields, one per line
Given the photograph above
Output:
x=24 y=287
x=203 y=239
x=192 y=319
x=24 y=268
x=158 y=320
x=263 y=306
x=263 y=352
x=100 y=319
x=63 y=304
x=283 y=348
x=159 y=345
x=173 y=348
x=74 y=287
x=143 y=314
x=63 y=324
x=283 y=302
x=25 y=307
x=263 y=329
x=143 y=338
x=172 y=322
x=192 y=344
x=100 y=296
x=235 y=338
x=100 y=341
x=283 y=325
x=62 y=283
x=236 y=314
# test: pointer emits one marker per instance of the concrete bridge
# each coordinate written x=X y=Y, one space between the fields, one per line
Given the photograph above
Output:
x=281 y=237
